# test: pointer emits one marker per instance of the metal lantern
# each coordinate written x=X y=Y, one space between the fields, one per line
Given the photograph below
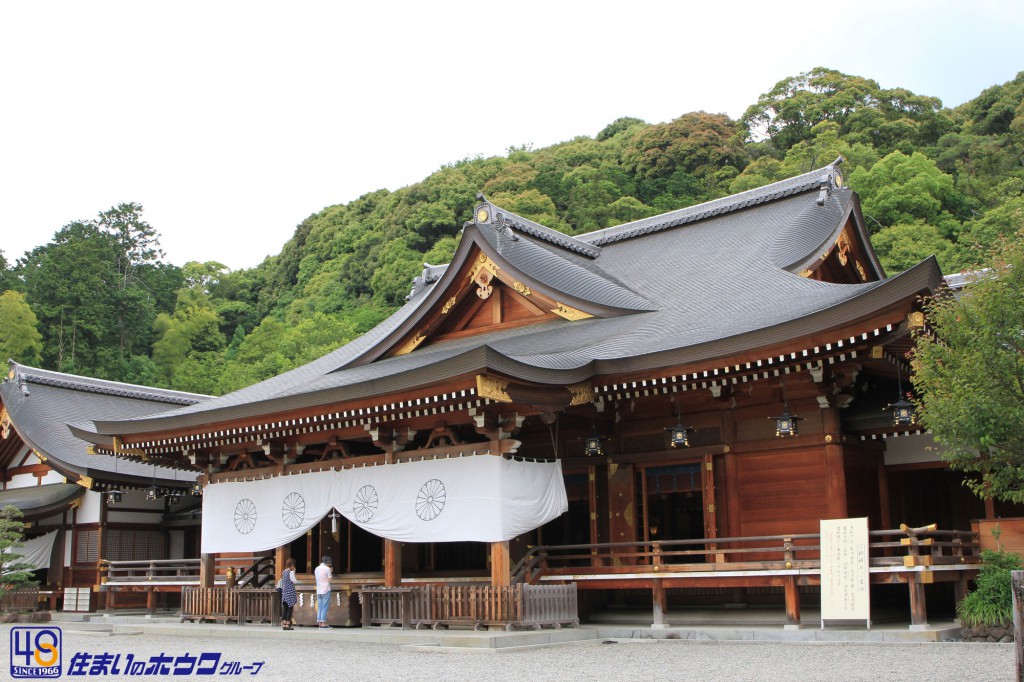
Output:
x=174 y=497
x=197 y=489
x=679 y=435
x=114 y=496
x=592 y=446
x=786 y=424
x=903 y=412
x=151 y=493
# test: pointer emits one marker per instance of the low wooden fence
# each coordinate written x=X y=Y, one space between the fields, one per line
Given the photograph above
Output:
x=22 y=599
x=257 y=605
x=201 y=604
x=477 y=606
x=240 y=605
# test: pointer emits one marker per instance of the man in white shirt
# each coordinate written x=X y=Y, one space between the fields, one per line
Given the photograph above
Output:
x=322 y=573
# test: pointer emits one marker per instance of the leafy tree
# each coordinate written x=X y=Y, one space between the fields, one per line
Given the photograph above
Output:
x=626 y=124
x=902 y=246
x=906 y=189
x=14 y=573
x=694 y=145
x=970 y=374
x=788 y=112
x=20 y=339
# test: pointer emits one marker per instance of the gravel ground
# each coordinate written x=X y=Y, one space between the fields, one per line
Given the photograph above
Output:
x=594 y=661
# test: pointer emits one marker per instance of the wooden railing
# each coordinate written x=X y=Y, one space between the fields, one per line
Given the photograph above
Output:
x=474 y=606
x=182 y=572
x=22 y=599
x=911 y=556
x=200 y=604
x=899 y=548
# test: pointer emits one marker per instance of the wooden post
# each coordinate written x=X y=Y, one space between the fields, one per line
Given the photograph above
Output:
x=835 y=469
x=280 y=556
x=1016 y=586
x=101 y=551
x=501 y=567
x=392 y=563
x=660 y=605
x=207 y=569
x=792 y=602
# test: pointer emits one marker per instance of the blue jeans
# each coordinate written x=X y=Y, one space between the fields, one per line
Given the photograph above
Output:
x=322 y=601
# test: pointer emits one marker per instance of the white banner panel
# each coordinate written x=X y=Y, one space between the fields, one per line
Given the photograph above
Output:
x=845 y=593
x=481 y=498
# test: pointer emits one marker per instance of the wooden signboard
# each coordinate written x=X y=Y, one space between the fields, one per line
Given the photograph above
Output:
x=845 y=593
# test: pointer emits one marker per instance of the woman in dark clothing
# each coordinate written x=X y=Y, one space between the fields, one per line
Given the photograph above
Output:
x=288 y=595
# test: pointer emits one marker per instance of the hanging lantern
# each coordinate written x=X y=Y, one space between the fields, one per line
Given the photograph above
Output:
x=197 y=489
x=114 y=496
x=786 y=424
x=903 y=411
x=174 y=497
x=679 y=435
x=592 y=446
x=152 y=493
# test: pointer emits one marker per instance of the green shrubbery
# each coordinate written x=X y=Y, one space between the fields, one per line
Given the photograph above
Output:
x=991 y=602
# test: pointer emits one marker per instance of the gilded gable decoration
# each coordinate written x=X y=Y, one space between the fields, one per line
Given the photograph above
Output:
x=449 y=304
x=5 y=423
x=411 y=345
x=521 y=288
x=569 y=313
x=582 y=393
x=495 y=389
x=843 y=247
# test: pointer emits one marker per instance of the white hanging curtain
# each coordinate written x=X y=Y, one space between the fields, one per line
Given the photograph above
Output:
x=482 y=498
x=37 y=551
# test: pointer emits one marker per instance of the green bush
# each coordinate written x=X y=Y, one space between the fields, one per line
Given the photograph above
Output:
x=991 y=602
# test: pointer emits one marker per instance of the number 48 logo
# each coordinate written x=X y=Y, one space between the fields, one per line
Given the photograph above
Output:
x=35 y=652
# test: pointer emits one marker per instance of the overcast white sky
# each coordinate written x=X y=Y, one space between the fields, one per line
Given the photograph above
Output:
x=230 y=122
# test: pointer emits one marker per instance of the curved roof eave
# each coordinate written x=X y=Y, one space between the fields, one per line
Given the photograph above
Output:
x=922 y=278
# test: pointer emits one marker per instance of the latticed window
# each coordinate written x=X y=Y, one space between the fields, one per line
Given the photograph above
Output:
x=87 y=549
x=132 y=544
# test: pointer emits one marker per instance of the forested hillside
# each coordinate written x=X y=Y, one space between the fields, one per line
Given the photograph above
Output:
x=98 y=300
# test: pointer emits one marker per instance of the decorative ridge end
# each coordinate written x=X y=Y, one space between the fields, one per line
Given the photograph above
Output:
x=831 y=182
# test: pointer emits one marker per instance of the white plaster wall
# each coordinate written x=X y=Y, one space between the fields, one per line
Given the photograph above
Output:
x=914 y=449
x=29 y=480
x=115 y=516
x=89 y=512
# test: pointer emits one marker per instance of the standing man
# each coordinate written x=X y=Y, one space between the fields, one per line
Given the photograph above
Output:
x=323 y=591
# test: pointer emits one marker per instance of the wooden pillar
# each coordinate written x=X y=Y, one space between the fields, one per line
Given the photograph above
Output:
x=835 y=468
x=660 y=604
x=501 y=567
x=883 y=494
x=280 y=556
x=918 y=609
x=792 y=601
x=207 y=569
x=392 y=563
x=101 y=552
x=592 y=503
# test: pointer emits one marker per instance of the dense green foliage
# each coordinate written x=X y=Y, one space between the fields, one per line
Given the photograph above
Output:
x=969 y=370
x=14 y=572
x=932 y=180
x=991 y=601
